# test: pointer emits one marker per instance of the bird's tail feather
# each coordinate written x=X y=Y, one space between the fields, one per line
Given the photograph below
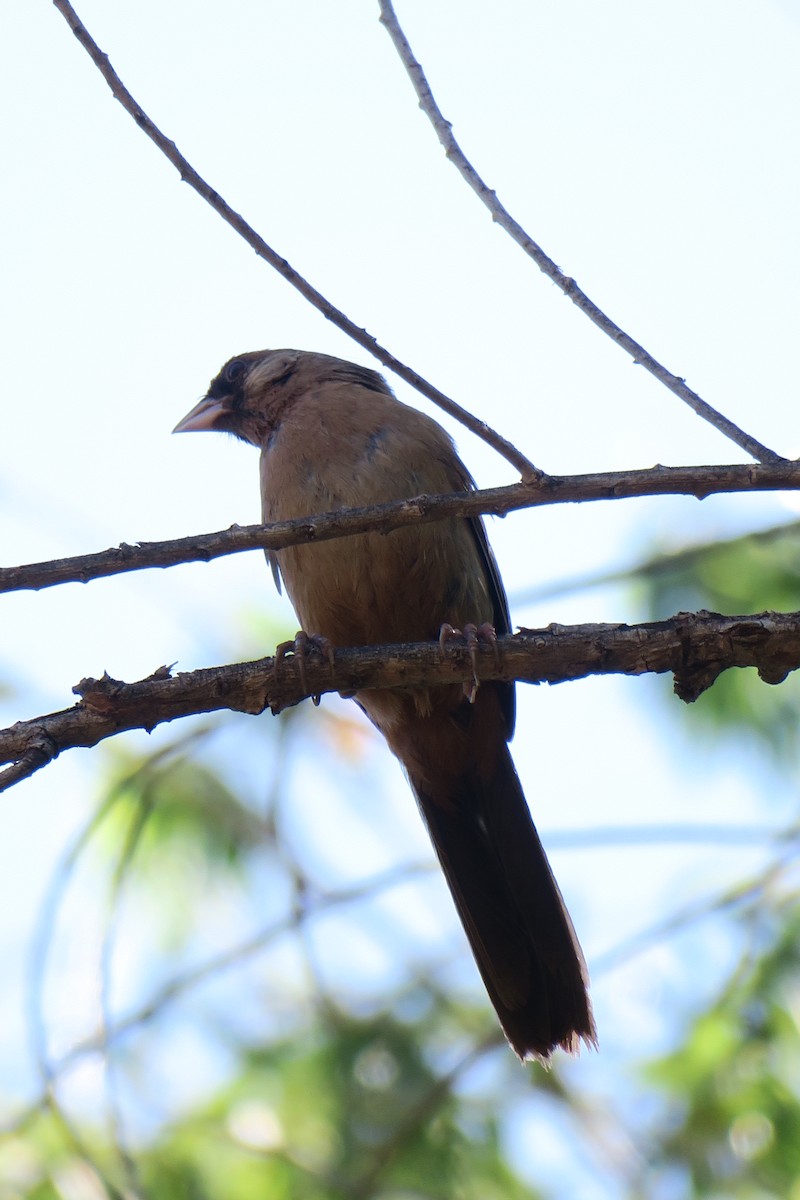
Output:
x=510 y=905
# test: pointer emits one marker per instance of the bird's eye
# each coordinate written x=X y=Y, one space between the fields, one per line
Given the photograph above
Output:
x=233 y=370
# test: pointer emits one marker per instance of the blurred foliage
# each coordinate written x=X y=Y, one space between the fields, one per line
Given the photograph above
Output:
x=732 y=1122
x=352 y=1108
x=752 y=573
x=341 y=1105
x=755 y=573
x=318 y=1091
x=185 y=801
x=733 y=1086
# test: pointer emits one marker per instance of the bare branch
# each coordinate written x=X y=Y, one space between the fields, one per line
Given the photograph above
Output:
x=695 y=647
x=550 y=489
x=189 y=175
x=444 y=131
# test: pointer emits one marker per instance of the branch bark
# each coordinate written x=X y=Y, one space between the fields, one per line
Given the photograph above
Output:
x=695 y=647
x=550 y=489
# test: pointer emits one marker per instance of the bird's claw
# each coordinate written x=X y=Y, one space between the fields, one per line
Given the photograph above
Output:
x=299 y=647
x=473 y=636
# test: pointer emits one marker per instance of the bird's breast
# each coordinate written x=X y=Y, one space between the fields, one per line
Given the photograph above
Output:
x=371 y=588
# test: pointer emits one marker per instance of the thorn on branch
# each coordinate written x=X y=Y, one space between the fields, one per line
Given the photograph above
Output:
x=689 y=685
x=163 y=672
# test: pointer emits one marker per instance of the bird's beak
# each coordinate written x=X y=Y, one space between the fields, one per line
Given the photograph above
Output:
x=203 y=416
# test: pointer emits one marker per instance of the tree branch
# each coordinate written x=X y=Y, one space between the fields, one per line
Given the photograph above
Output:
x=189 y=175
x=549 y=489
x=501 y=215
x=695 y=647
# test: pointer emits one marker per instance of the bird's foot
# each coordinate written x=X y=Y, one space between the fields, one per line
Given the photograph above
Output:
x=473 y=635
x=300 y=647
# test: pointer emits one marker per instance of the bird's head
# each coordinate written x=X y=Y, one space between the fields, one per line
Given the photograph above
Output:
x=252 y=392
x=246 y=395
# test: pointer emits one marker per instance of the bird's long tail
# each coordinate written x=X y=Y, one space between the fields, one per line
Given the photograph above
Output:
x=507 y=898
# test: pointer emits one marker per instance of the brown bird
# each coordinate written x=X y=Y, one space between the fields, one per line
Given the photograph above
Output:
x=332 y=435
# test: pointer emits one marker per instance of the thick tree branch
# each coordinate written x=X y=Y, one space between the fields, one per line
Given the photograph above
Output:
x=550 y=489
x=189 y=175
x=695 y=647
x=501 y=215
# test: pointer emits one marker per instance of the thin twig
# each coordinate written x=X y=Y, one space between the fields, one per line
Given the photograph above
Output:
x=189 y=175
x=695 y=647
x=699 y=482
x=444 y=132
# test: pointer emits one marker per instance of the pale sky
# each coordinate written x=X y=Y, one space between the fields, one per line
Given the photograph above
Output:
x=650 y=149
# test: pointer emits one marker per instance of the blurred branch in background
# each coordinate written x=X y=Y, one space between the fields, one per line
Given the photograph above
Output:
x=677 y=566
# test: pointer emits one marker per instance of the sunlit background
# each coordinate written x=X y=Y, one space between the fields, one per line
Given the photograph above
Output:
x=652 y=151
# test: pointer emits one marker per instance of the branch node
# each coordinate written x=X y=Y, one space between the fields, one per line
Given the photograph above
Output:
x=772 y=673
x=99 y=694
